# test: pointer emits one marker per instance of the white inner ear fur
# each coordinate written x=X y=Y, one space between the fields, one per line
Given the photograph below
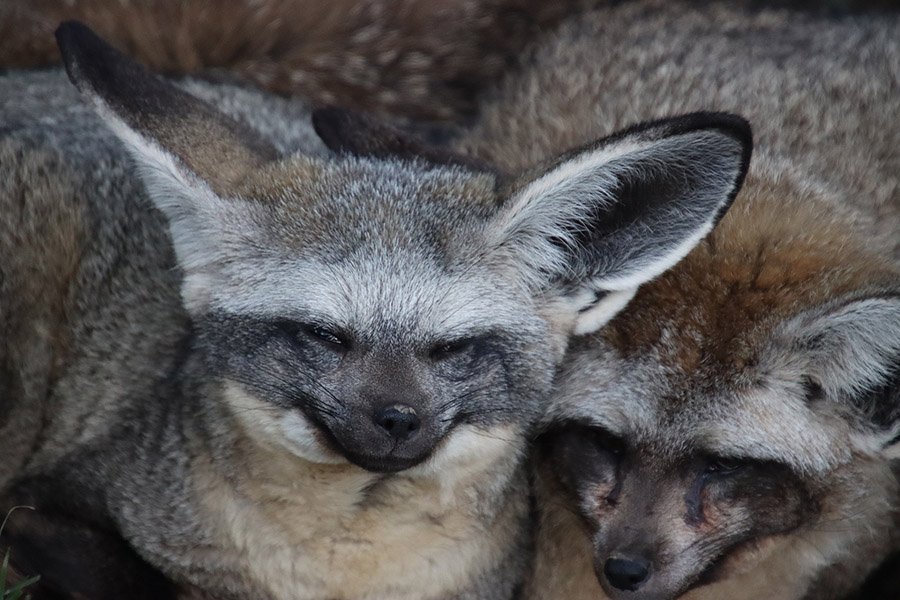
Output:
x=540 y=222
x=194 y=212
x=545 y=209
x=853 y=349
x=854 y=346
x=605 y=309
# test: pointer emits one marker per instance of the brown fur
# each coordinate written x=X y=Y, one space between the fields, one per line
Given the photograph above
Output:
x=770 y=257
x=818 y=91
x=817 y=222
x=421 y=58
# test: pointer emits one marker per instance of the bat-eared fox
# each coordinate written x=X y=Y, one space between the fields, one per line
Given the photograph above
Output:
x=734 y=432
x=277 y=372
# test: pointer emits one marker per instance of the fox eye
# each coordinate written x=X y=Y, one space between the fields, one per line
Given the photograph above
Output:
x=724 y=466
x=608 y=442
x=453 y=349
x=326 y=336
x=302 y=332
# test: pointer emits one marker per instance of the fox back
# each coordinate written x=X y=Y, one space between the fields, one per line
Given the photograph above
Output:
x=280 y=373
x=733 y=432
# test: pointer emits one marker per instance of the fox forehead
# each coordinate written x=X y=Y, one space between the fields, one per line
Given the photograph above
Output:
x=773 y=255
x=339 y=206
x=648 y=406
x=690 y=364
x=755 y=409
x=359 y=243
x=370 y=293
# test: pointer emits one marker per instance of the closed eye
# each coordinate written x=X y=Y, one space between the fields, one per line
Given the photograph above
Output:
x=608 y=441
x=719 y=465
x=327 y=336
x=321 y=334
x=452 y=349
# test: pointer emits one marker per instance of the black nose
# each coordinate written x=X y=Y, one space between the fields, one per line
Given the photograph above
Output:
x=399 y=420
x=625 y=573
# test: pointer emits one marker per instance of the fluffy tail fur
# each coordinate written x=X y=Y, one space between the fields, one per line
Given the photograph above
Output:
x=417 y=58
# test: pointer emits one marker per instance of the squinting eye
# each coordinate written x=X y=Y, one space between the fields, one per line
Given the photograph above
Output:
x=449 y=350
x=724 y=466
x=324 y=335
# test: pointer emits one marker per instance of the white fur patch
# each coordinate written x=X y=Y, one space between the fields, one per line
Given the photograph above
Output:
x=303 y=529
x=275 y=426
x=544 y=217
x=599 y=315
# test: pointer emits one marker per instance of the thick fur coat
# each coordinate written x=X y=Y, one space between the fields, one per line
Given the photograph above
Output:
x=276 y=372
x=409 y=58
x=815 y=230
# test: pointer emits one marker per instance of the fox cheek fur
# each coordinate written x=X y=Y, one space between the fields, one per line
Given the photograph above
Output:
x=318 y=376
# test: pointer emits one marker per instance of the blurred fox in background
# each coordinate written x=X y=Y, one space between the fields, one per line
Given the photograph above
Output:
x=425 y=59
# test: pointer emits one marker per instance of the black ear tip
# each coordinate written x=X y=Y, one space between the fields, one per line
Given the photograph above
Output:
x=331 y=124
x=74 y=37
x=738 y=126
x=330 y=113
x=77 y=42
x=730 y=124
x=330 y=117
x=68 y=31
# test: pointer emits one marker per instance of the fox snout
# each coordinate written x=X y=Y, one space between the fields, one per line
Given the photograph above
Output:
x=394 y=435
x=624 y=573
x=401 y=421
x=385 y=415
x=627 y=574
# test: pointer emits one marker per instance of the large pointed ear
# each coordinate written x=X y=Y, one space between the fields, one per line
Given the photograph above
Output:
x=850 y=351
x=358 y=134
x=603 y=219
x=180 y=140
x=190 y=156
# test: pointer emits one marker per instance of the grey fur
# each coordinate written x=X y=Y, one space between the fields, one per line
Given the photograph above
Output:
x=797 y=76
x=193 y=363
x=776 y=340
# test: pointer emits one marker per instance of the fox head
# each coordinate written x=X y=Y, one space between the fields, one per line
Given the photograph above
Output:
x=389 y=307
x=741 y=413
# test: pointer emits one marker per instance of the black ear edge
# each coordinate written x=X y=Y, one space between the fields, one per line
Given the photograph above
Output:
x=77 y=42
x=330 y=123
x=730 y=124
x=137 y=95
x=336 y=127
x=129 y=90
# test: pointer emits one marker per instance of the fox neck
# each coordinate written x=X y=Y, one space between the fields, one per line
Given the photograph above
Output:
x=280 y=523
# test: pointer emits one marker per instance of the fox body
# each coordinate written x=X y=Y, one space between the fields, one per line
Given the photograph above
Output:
x=731 y=433
x=279 y=373
x=422 y=58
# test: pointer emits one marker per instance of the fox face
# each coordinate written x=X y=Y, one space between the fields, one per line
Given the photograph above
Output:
x=730 y=433
x=397 y=337
x=393 y=306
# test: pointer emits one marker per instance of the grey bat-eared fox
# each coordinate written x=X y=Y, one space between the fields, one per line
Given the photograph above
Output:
x=734 y=432
x=275 y=368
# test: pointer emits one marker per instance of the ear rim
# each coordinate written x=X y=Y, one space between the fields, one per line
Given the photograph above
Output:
x=803 y=332
x=728 y=135
x=122 y=90
x=727 y=123
x=731 y=124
